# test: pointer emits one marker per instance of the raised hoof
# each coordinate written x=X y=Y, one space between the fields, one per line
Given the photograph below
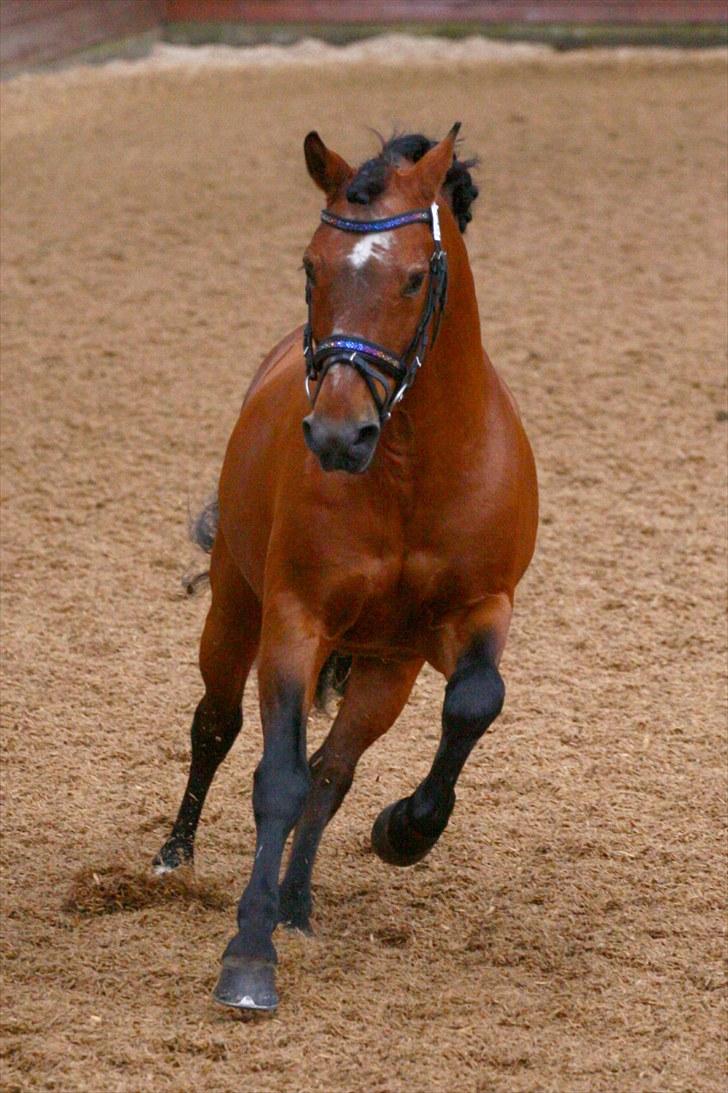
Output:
x=247 y=985
x=408 y=849
x=175 y=853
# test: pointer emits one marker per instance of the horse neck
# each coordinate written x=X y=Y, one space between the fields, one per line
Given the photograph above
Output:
x=446 y=406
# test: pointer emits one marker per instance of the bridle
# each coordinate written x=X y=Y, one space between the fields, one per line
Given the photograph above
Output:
x=378 y=366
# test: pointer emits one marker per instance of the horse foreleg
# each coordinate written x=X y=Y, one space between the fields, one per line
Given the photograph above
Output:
x=227 y=651
x=406 y=831
x=291 y=658
x=376 y=693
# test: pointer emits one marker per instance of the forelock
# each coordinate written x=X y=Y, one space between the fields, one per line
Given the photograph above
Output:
x=372 y=177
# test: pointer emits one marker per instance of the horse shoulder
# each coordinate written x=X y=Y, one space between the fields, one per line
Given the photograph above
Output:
x=508 y=394
x=258 y=446
x=477 y=532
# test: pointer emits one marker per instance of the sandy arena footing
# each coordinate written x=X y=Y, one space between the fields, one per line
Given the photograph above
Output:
x=567 y=933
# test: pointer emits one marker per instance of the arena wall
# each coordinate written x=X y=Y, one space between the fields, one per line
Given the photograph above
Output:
x=37 y=32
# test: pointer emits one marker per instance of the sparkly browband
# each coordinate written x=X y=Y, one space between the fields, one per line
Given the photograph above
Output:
x=388 y=223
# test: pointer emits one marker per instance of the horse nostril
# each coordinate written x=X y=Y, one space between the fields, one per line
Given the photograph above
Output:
x=368 y=434
x=307 y=431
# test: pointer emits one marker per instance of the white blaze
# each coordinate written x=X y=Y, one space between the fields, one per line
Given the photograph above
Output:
x=373 y=245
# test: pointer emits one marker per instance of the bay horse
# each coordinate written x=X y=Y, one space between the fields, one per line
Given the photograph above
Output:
x=361 y=515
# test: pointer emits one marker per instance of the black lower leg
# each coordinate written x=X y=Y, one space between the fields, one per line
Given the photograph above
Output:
x=330 y=785
x=406 y=831
x=280 y=789
x=213 y=734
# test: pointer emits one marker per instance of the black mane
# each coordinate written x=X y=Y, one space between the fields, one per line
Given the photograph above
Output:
x=371 y=178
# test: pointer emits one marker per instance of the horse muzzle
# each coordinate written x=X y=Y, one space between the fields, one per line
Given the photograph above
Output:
x=341 y=445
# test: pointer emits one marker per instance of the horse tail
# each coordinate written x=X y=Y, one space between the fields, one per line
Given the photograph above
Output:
x=332 y=680
x=202 y=529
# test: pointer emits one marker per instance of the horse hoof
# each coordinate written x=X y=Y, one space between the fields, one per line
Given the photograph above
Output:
x=175 y=852
x=409 y=847
x=247 y=985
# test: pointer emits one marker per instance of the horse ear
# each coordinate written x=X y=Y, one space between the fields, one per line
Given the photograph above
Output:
x=429 y=172
x=328 y=170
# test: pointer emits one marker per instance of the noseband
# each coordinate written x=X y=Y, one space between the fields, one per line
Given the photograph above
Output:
x=380 y=367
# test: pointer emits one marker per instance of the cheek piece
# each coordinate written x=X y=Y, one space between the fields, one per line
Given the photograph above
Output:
x=387 y=375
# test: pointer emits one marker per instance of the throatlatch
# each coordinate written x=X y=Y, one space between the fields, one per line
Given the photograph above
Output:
x=386 y=374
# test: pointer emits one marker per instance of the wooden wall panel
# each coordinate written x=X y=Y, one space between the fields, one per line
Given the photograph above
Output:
x=17 y=12
x=33 y=31
x=482 y=11
x=36 y=31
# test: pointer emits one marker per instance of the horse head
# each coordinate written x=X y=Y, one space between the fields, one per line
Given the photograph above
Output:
x=375 y=293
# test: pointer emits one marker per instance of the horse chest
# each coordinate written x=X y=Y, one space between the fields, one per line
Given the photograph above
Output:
x=386 y=608
x=435 y=583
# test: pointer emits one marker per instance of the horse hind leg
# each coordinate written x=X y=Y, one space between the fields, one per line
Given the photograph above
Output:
x=406 y=831
x=376 y=693
x=227 y=651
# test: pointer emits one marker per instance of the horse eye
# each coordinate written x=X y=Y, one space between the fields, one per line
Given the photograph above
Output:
x=414 y=284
